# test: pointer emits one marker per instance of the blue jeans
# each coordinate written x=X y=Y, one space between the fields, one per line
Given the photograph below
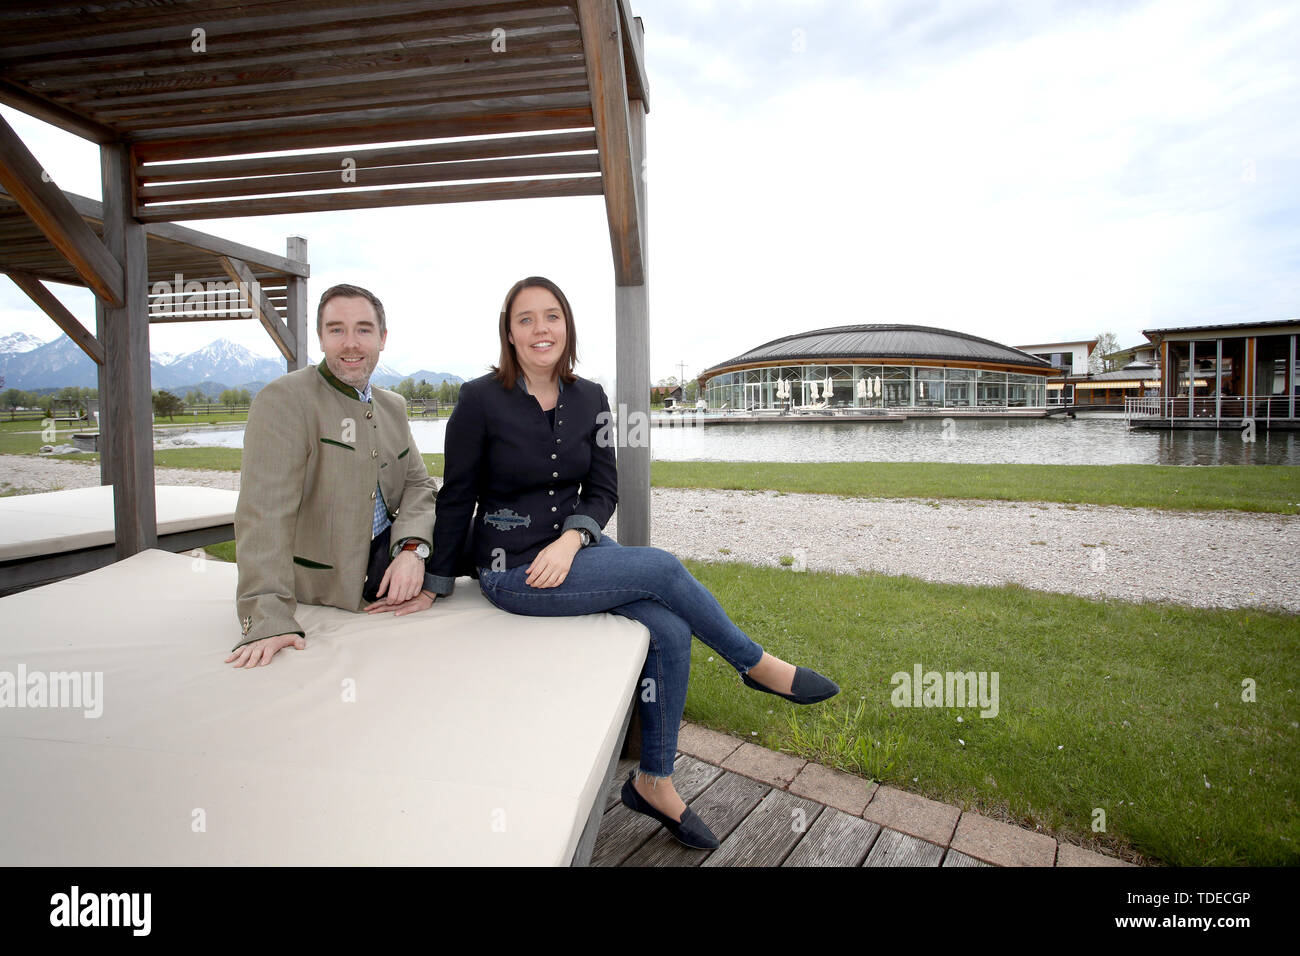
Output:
x=647 y=585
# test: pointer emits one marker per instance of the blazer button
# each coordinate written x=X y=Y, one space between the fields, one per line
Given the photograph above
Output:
x=550 y=492
x=560 y=406
x=561 y=421
x=556 y=527
x=552 y=454
x=374 y=453
x=552 y=507
x=370 y=414
x=372 y=496
x=557 y=441
x=555 y=474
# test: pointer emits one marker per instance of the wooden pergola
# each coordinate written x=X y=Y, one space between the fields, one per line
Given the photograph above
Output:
x=195 y=104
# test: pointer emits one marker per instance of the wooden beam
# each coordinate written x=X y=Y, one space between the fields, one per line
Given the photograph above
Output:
x=126 y=364
x=252 y=294
x=54 y=114
x=469 y=124
x=268 y=23
x=295 y=309
x=52 y=213
x=57 y=311
x=634 y=53
x=495 y=148
x=279 y=134
x=609 y=109
x=169 y=232
x=632 y=357
x=350 y=178
x=375 y=199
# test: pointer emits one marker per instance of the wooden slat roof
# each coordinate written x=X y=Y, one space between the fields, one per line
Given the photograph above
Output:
x=202 y=90
x=172 y=250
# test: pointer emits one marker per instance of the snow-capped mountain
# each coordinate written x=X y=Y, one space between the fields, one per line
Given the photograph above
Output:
x=223 y=362
x=18 y=342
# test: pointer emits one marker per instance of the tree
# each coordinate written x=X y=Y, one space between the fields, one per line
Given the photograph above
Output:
x=245 y=397
x=425 y=391
x=14 y=399
x=1099 y=361
x=165 y=403
x=229 y=397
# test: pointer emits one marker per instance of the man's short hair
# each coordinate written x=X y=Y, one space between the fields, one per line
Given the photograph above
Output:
x=351 y=292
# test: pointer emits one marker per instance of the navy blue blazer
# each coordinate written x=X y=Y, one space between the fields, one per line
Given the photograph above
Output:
x=512 y=484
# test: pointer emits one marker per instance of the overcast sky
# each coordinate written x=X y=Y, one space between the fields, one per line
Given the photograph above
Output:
x=1025 y=172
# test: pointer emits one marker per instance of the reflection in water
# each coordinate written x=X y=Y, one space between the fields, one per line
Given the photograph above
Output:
x=1042 y=441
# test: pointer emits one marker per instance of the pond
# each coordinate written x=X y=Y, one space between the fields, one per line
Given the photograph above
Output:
x=1084 y=441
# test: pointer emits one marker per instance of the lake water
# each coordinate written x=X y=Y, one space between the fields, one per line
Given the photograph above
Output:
x=1036 y=441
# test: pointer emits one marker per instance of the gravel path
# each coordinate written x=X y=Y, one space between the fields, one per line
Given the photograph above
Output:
x=1202 y=559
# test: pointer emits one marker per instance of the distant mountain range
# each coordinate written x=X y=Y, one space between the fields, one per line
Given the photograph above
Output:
x=29 y=364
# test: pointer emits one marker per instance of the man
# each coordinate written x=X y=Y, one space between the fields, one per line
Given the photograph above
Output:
x=335 y=504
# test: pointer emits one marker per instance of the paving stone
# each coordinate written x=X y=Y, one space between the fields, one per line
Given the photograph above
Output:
x=706 y=744
x=1002 y=843
x=908 y=813
x=834 y=788
x=772 y=768
x=1067 y=854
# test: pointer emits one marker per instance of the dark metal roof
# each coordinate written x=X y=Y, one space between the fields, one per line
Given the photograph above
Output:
x=1231 y=325
x=848 y=342
x=1135 y=370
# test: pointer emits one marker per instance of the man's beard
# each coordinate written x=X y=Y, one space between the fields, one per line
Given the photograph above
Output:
x=357 y=378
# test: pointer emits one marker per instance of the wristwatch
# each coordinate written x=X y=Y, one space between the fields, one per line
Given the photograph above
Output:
x=585 y=535
x=419 y=547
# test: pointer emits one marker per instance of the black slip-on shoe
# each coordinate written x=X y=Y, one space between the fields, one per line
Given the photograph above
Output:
x=809 y=687
x=691 y=830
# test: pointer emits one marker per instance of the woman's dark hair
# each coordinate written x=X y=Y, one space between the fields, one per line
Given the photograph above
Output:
x=507 y=368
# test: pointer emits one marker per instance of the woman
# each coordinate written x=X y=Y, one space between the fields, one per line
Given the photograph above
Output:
x=530 y=445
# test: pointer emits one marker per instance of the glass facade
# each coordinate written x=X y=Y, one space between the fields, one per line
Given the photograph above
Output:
x=919 y=387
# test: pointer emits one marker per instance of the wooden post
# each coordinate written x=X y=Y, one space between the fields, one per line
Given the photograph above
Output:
x=1218 y=378
x=1291 y=380
x=126 y=368
x=632 y=353
x=102 y=444
x=296 y=312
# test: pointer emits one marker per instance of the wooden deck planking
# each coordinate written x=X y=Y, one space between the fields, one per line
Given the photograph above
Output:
x=835 y=839
x=957 y=858
x=757 y=826
x=898 y=849
x=769 y=833
x=623 y=831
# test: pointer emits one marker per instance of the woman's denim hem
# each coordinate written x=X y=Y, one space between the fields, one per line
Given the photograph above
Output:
x=650 y=773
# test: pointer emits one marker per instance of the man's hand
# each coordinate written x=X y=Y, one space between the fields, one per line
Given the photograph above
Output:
x=260 y=652
x=402 y=579
x=551 y=566
x=421 y=602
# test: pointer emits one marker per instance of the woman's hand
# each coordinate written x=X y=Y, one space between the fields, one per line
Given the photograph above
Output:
x=551 y=566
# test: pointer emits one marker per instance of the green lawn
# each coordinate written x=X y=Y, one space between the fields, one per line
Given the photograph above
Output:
x=1135 y=710
x=1273 y=488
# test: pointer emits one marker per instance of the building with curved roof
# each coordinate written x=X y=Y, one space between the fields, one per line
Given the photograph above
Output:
x=914 y=368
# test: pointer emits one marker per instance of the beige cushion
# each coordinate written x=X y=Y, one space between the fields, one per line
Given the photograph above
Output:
x=475 y=736
x=56 y=521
